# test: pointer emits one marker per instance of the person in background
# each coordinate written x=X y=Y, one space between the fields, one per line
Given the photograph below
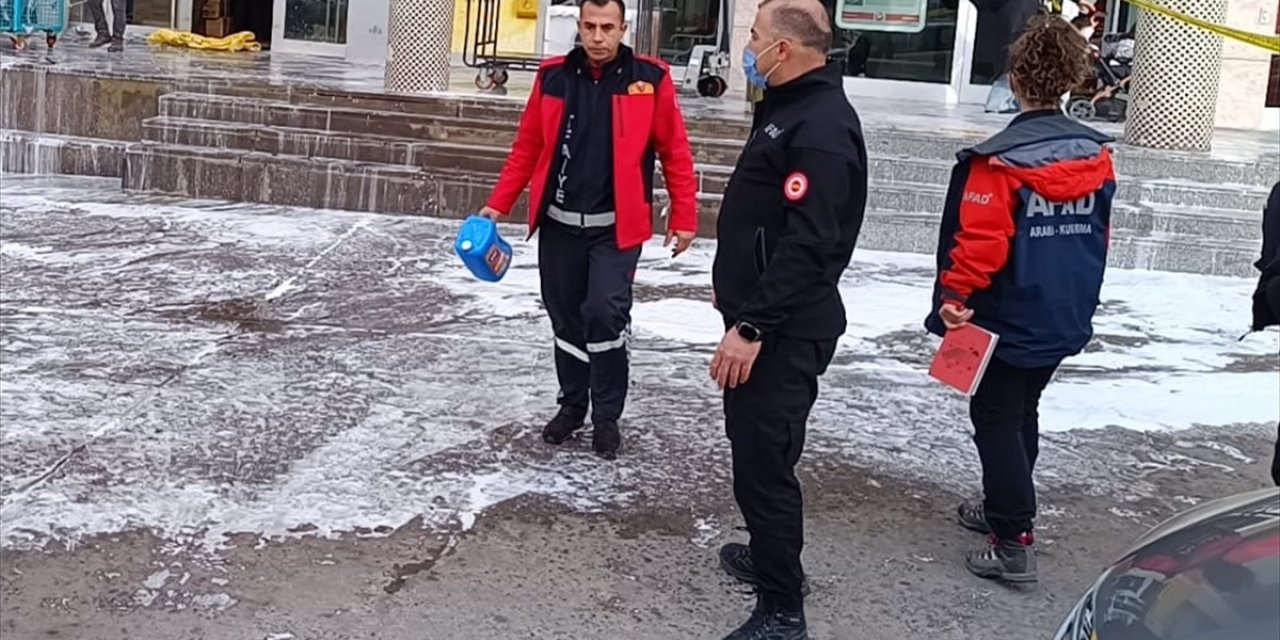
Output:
x=113 y=35
x=596 y=121
x=1266 y=299
x=1009 y=17
x=1021 y=252
x=788 y=223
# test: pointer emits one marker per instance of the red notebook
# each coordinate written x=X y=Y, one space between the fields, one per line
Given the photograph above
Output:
x=963 y=358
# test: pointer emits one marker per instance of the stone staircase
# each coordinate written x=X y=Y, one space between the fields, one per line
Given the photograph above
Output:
x=440 y=155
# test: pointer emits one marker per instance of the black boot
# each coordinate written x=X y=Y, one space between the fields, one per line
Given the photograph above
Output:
x=735 y=559
x=117 y=46
x=605 y=439
x=563 y=425
x=1006 y=560
x=101 y=41
x=972 y=517
x=770 y=623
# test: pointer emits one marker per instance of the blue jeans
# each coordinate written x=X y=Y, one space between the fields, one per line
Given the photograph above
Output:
x=1001 y=98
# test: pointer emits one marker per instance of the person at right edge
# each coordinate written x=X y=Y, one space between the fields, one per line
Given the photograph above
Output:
x=1266 y=299
x=787 y=227
x=1022 y=250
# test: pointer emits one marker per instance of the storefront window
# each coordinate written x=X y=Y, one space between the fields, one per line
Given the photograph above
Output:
x=895 y=39
x=151 y=13
x=316 y=20
x=685 y=25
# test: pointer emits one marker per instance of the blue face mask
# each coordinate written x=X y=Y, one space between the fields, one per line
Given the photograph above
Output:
x=754 y=76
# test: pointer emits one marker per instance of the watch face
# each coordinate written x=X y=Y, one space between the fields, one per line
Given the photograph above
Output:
x=748 y=332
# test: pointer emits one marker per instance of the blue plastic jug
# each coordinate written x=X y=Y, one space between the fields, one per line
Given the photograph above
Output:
x=484 y=252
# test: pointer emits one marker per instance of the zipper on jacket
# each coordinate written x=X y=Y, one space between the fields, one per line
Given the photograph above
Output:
x=622 y=121
x=760 y=253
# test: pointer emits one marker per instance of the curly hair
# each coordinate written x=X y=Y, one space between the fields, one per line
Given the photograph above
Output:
x=1048 y=59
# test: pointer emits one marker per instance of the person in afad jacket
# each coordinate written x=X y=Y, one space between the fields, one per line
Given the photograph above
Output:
x=1266 y=298
x=1021 y=252
x=596 y=122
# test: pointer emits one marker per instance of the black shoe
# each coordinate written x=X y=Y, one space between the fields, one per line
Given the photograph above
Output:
x=766 y=623
x=116 y=46
x=100 y=41
x=735 y=559
x=605 y=439
x=562 y=426
x=1006 y=560
x=971 y=516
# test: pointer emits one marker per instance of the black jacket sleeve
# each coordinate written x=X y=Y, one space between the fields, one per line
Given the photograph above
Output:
x=1265 y=311
x=816 y=196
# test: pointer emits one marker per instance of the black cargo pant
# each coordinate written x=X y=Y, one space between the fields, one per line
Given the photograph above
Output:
x=586 y=288
x=765 y=421
x=118 y=18
x=1006 y=423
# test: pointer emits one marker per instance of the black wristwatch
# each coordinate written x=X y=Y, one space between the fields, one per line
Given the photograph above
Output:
x=749 y=332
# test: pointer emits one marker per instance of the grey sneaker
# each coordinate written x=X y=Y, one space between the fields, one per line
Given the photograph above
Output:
x=735 y=559
x=116 y=46
x=971 y=516
x=1005 y=560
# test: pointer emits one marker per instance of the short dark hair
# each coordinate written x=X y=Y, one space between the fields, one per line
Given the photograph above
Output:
x=800 y=26
x=622 y=6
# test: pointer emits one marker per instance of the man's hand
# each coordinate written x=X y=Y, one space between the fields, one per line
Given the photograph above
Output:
x=490 y=213
x=683 y=241
x=954 y=316
x=732 y=363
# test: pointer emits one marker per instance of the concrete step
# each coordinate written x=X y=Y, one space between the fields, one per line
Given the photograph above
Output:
x=45 y=154
x=1188 y=254
x=715 y=142
x=254 y=176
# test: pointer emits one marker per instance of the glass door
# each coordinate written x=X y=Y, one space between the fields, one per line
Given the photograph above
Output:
x=982 y=49
x=899 y=49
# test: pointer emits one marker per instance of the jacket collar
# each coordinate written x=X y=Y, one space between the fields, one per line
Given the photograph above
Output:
x=1035 y=127
x=577 y=59
x=826 y=76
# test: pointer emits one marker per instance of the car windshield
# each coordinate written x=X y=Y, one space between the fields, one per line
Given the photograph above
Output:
x=1216 y=579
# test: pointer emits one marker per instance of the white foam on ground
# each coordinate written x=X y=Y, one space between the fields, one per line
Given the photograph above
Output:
x=1163 y=344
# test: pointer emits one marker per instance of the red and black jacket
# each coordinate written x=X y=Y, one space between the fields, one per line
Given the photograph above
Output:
x=1024 y=237
x=647 y=125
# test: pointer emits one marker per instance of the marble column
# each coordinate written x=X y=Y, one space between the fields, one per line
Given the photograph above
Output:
x=418 y=42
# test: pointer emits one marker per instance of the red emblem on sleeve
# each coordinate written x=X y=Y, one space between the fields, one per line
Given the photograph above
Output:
x=795 y=186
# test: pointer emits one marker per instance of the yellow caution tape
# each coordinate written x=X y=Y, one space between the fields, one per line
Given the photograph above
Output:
x=1268 y=42
x=243 y=41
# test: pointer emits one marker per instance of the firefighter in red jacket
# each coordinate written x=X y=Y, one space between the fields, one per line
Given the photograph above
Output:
x=596 y=121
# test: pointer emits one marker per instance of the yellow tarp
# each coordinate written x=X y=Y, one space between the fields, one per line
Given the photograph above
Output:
x=243 y=41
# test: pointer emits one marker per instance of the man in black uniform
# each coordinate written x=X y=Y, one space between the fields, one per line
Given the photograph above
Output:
x=788 y=224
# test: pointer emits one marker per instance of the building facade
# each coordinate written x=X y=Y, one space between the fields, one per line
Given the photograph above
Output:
x=924 y=50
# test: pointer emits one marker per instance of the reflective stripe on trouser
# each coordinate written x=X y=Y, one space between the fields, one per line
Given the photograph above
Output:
x=586 y=288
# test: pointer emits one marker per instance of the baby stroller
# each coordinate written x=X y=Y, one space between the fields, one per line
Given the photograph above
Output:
x=1108 y=97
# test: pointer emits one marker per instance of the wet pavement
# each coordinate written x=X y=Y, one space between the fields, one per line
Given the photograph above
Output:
x=203 y=369
x=234 y=421
x=216 y=69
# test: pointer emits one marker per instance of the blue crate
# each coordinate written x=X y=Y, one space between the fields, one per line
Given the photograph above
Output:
x=27 y=16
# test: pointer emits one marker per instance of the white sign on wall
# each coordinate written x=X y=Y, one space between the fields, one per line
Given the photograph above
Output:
x=906 y=16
